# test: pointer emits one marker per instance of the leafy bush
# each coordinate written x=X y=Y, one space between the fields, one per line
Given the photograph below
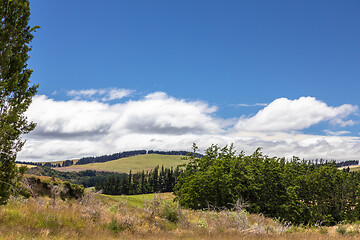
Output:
x=170 y=213
x=341 y=229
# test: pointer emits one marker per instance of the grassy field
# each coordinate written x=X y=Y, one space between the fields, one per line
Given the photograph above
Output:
x=152 y=216
x=27 y=165
x=353 y=168
x=139 y=200
x=135 y=163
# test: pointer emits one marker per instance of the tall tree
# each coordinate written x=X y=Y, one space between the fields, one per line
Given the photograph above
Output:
x=15 y=90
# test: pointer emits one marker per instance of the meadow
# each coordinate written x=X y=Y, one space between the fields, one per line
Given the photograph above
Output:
x=147 y=216
x=135 y=164
x=151 y=216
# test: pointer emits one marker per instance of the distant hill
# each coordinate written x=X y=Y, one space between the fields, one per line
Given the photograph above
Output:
x=353 y=168
x=106 y=158
x=135 y=163
x=48 y=164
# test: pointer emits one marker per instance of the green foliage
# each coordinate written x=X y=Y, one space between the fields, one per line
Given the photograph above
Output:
x=15 y=92
x=87 y=178
x=323 y=230
x=171 y=213
x=341 y=229
x=119 y=226
x=53 y=188
x=294 y=191
x=114 y=226
x=155 y=180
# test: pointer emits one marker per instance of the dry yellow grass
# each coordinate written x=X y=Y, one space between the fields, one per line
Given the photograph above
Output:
x=101 y=217
x=352 y=168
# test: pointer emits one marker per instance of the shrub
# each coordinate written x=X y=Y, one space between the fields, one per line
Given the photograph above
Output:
x=170 y=213
x=341 y=229
x=119 y=226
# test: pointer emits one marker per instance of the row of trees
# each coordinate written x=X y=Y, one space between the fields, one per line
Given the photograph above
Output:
x=106 y=158
x=347 y=163
x=178 y=153
x=296 y=191
x=156 y=180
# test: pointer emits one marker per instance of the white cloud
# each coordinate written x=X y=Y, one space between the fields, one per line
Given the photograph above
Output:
x=159 y=113
x=63 y=126
x=84 y=92
x=114 y=94
x=288 y=115
x=69 y=117
x=252 y=105
x=103 y=95
x=336 y=133
x=78 y=128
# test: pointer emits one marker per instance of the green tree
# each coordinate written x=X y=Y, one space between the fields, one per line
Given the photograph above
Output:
x=296 y=191
x=15 y=92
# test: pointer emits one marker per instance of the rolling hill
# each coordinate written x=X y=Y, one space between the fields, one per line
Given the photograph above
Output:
x=134 y=163
x=353 y=168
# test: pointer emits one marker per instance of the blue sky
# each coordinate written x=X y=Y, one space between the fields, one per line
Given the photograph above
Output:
x=218 y=56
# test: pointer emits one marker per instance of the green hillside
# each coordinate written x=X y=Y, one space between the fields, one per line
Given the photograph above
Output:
x=135 y=163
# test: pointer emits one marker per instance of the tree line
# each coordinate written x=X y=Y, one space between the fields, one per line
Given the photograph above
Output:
x=347 y=163
x=153 y=181
x=159 y=179
x=295 y=190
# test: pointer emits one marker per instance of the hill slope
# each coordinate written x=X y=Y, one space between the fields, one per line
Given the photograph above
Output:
x=135 y=163
x=353 y=168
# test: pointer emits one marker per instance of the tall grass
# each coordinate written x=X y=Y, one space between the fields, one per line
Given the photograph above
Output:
x=97 y=216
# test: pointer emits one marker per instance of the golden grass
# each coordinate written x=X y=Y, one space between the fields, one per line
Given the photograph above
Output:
x=135 y=163
x=353 y=168
x=103 y=217
x=25 y=165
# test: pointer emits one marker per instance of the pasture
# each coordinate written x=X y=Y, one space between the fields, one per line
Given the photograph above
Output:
x=135 y=164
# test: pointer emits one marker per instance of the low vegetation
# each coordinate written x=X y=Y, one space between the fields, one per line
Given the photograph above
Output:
x=87 y=178
x=96 y=216
x=36 y=186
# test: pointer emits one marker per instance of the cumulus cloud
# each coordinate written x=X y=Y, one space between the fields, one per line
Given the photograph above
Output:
x=69 y=117
x=79 y=128
x=65 y=125
x=104 y=95
x=288 y=115
x=159 y=113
